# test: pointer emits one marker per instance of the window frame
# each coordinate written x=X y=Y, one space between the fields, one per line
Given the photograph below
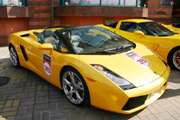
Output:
x=62 y=3
x=23 y=3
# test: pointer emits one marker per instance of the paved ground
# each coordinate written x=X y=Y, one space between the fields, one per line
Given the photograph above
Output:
x=28 y=97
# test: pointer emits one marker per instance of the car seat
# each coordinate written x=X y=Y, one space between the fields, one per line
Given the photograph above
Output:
x=75 y=39
x=133 y=28
x=49 y=38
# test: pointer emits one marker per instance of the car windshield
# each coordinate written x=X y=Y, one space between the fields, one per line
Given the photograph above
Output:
x=157 y=29
x=96 y=40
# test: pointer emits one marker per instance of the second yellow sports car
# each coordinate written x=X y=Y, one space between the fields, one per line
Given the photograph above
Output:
x=92 y=65
x=158 y=38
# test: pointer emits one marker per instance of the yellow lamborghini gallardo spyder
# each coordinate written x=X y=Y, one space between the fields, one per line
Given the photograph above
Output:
x=160 y=39
x=92 y=66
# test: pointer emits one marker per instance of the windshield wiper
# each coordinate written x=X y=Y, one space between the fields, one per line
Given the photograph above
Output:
x=121 y=49
x=112 y=50
x=129 y=47
x=164 y=35
x=101 y=52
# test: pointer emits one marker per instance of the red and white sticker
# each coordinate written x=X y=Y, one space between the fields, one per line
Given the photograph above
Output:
x=47 y=64
x=137 y=59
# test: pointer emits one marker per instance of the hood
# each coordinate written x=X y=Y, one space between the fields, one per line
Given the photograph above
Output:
x=137 y=66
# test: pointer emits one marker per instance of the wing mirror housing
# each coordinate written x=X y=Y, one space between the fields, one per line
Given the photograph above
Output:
x=140 y=33
x=63 y=50
x=46 y=46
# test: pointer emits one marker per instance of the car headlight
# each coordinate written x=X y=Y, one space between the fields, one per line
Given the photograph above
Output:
x=121 y=82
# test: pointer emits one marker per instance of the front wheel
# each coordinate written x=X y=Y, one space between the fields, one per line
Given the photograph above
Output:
x=174 y=59
x=74 y=87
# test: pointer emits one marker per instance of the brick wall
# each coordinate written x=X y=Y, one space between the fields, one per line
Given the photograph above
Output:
x=42 y=13
x=8 y=26
x=89 y=20
x=91 y=15
x=13 y=19
x=158 y=12
x=37 y=14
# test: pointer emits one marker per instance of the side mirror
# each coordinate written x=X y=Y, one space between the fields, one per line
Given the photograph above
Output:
x=140 y=33
x=46 y=46
x=63 y=50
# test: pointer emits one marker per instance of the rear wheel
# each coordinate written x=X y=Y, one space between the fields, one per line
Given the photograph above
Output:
x=174 y=59
x=14 y=57
x=74 y=87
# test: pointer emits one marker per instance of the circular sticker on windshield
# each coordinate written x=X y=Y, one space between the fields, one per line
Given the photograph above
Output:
x=138 y=59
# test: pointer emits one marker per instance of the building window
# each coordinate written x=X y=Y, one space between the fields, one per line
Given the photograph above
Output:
x=72 y=2
x=12 y=2
x=128 y=3
x=137 y=3
x=110 y=2
x=91 y=2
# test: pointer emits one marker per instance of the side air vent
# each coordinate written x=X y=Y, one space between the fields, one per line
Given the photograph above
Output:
x=23 y=52
x=25 y=35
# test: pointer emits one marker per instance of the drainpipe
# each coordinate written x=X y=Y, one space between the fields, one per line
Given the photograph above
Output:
x=52 y=13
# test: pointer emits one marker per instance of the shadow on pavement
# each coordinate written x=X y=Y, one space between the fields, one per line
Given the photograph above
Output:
x=174 y=76
x=170 y=93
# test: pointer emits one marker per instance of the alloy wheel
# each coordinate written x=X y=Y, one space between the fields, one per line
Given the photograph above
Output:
x=73 y=87
x=176 y=59
x=13 y=57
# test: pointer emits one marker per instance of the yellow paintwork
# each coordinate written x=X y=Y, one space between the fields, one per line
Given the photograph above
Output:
x=161 y=45
x=104 y=93
x=172 y=28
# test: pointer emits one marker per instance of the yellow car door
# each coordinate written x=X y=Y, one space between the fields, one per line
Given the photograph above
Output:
x=33 y=55
x=165 y=45
x=51 y=63
x=44 y=58
x=46 y=62
x=136 y=33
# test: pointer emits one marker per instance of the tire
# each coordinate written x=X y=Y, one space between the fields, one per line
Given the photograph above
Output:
x=14 y=57
x=74 y=87
x=174 y=59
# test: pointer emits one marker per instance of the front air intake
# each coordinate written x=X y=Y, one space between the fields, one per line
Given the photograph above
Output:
x=135 y=102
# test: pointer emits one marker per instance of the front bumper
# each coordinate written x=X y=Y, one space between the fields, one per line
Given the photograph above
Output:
x=113 y=99
x=147 y=94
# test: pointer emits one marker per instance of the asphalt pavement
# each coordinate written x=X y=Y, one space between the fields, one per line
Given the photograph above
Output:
x=28 y=97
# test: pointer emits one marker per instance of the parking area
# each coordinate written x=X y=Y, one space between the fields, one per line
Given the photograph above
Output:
x=29 y=97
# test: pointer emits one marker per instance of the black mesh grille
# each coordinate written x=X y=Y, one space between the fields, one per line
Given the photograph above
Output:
x=135 y=102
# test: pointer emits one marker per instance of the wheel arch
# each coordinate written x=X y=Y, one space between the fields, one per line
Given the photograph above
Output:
x=10 y=45
x=61 y=73
x=171 y=51
x=62 y=70
x=69 y=66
